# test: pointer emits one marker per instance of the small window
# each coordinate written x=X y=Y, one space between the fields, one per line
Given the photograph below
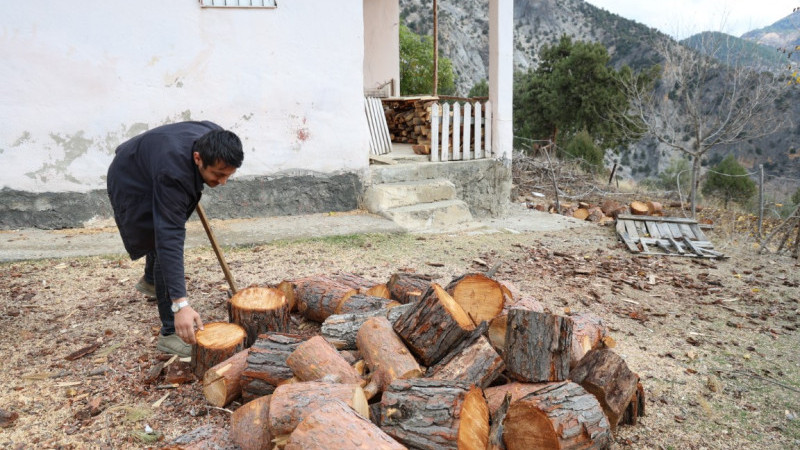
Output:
x=239 y=3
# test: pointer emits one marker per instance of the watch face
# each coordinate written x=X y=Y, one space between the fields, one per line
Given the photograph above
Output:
x=175 y=308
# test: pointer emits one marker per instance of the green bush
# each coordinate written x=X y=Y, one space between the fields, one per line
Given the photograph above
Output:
x=728 y=180
x=796 y=197
x=582 y=147
x=679 y=170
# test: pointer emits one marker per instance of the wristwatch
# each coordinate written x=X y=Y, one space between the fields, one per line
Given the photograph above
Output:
x=178 y=306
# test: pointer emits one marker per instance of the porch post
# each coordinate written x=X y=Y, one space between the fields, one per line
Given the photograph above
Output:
x=501 y=76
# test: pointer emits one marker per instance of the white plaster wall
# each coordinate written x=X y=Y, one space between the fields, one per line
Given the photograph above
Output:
x=382 y=44
x=78 y=78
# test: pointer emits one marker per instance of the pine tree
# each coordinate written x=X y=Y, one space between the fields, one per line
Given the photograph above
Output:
x=729 y=180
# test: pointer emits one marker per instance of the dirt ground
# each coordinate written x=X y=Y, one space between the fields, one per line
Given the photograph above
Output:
x=715 y=342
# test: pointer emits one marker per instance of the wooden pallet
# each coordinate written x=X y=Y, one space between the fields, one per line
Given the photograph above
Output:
x=673 y=236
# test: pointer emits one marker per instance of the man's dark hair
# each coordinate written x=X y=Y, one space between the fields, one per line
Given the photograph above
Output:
x=220 y=145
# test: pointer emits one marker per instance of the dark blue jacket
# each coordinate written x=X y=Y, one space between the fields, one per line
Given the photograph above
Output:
x=154 y=185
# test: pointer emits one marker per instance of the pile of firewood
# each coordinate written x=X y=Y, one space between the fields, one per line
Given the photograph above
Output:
x=605 y=213
x=409 y=120
x=412 y=364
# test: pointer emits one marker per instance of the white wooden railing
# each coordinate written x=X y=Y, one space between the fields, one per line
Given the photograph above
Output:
x=460 y=123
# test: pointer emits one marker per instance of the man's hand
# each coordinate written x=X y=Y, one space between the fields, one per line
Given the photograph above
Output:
x=185 y=321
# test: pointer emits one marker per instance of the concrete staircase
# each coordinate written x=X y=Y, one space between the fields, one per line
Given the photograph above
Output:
x=416 y=199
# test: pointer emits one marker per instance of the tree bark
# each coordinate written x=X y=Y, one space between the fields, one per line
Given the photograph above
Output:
x=537 y=346
x=561 y=416
x=336 y=424
x=362 y=303
x=316 y=358
x=259 y=310
x=319 y=297
x=221 y=383
x=605 y=375
x=496 y=394
x=291 y=403
x=481 y=297
x=497 y=327
x=266 y=364
x=478 y=364
x=434 y=414
x=433 y=325
x=249 y=422
x=341 y=329
x=361 y=284
x=408 y=287
x=635 y=408
x=385 y=354
x=217 y=342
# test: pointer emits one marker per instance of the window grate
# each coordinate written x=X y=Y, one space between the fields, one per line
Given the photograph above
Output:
x=239 y=3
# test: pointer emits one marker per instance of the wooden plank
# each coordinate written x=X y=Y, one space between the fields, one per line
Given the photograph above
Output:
x=698 y=232
x=373 y=146
x=631 y=229
x=487 y=125
x=658 y=219
x=380 y=159
x=663 y=230
x=456 y=134
x=467 y=125
x=435 y=132
x=620 y=225
x=652 y=229
x=641 y=228
x=445 y=131
x=478 y=151
x=676 y=231
x=384 y=126
x=695 y=249
x=675 y=244
x=686 y=231
x=627 y=241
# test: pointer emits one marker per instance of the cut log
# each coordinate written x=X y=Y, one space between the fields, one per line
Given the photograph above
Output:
x=562 y=416
x=249 y=425
x=581 y=213
x=341 y=329
x=385 y=354
x=379 y=290
x=221 y=383
x=497 y=429
x=478 y=364
x=655 y=209
x=433 y=325
x=266 y=364
x=595 y=215
x=537 y=346
x=316 y=358
x=609 y=207
x=635 y=408
x=435 y=414
x=408 y=287
x=335 y=424
x=362 y=303
x=588 y=332
x=216 y=342
x=259 y=310
x=605 y=375
x=497 y=327
x=496 y=394
x=639 y=208
x=361 y=284
x=481 y=297
x=291 y=403
x=319 y=297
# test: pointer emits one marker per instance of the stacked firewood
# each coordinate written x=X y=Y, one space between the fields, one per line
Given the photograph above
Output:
x=413 y=364
x=604 y=213
x=409 y=120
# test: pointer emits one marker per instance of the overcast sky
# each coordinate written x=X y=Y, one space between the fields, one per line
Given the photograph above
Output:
x=682 y=18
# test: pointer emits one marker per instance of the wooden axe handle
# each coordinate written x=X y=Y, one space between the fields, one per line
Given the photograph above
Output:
x=202 y=214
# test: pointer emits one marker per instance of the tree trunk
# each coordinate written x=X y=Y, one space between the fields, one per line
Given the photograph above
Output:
x=291 y=403
x=537 y=346
x=361 y=284
x=695 y=182
x=497 y=327
x=249 y=428
x=481 y=297
x=478 y=364
x=217 y=342
x=496 y=394
x=639 y=208
x=336 y=424
x=635 y=408
x=221 y=383
x=561 y=416
x=362 y=303
x=258 y=310
x=266 y=364
x=316 y=358
x=588 y=331
x=341 y=329
x=606 y=376
x=319 y=297
x=385 y=354
x=433 y=414
x=408 y=287
x=433 y=325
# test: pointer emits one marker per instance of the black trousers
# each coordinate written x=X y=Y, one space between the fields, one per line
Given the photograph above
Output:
x=153 y=274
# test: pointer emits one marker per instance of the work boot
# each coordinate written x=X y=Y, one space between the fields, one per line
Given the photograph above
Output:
x=146 y=288
x=174 y=345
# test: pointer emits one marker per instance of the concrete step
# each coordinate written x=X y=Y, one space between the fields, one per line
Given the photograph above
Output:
x=440 y=215
x=380 y=197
